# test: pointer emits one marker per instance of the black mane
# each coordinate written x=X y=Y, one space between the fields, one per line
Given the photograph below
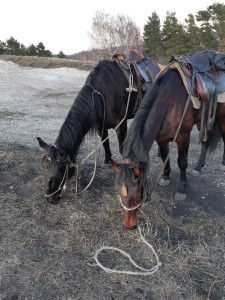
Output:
x=80 y=119
x=134 y=147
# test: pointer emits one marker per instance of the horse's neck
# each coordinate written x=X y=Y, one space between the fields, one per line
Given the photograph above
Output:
x=79 y=121
x=151 y=129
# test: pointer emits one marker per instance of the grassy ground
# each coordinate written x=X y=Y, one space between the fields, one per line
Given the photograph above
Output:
x=45 y=249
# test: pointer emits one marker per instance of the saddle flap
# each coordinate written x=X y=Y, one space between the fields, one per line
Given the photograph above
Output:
x=148 y=69
x=205 y=86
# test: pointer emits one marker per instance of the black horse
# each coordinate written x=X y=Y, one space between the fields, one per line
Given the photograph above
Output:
x=166 y=114
x=111 y=94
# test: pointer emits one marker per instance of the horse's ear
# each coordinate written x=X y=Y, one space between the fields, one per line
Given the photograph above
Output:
x=136 y=170
x=43 y=144
x=115 y=165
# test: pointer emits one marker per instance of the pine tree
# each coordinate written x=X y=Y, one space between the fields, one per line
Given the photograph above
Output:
x=152 y=37
x=174 y=36
x=192 y=32
x=207 y=37
x=217 y=12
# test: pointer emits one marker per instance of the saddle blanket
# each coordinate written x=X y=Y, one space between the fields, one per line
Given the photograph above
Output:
x=197 y=104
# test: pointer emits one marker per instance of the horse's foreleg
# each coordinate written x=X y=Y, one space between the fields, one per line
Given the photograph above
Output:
x=164 y=151
x=182 y=146
x=121 y=135
x=108 y=155
x=201 y=160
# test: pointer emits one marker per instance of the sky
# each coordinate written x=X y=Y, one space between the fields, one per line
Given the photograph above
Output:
x=64 y=25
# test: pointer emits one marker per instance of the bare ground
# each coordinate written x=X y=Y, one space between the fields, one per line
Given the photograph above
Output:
x=45 y=249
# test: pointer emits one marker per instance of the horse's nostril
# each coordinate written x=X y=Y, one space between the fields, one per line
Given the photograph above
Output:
x=133 y=227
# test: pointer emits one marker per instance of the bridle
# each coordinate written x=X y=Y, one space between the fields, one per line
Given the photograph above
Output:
x=129 y=208
x=62 y=186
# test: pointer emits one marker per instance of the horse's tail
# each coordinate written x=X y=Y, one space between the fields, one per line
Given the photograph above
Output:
x=214 y=137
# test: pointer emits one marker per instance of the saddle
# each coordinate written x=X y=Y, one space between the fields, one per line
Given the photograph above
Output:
x=209 y=80
x=203 y=74
x=146 y=68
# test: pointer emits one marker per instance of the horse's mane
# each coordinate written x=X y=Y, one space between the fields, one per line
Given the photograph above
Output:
x=134 y=147
x=88 y=107
x=80 y=119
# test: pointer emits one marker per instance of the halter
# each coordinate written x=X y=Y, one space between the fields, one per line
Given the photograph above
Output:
x=128 y=208
x=62 y=185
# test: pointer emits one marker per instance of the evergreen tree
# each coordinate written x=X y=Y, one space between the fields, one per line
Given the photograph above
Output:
x=152 y=36
x=207 y=37
x=41 y=51
x=61 y=54
x=192 y=32
x=217 y=13
x=12 y=47
x=174 y=36
x=32 y=50
x=2 y=47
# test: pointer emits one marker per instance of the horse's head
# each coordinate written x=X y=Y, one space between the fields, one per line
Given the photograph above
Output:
x=129 y=186
x=56 y=167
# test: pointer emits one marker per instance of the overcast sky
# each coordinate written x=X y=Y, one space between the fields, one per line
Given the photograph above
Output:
x=63 y=24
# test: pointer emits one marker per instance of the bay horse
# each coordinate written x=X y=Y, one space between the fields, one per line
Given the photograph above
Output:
x=164 y=115
x=111 y=95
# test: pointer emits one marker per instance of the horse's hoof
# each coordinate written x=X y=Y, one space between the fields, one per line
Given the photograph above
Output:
x=195 y=173
x=222 y=168
x=180 y=197
x=163 y=182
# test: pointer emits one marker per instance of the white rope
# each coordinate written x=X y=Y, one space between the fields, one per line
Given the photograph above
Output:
x=93 y=175
x=143 y=270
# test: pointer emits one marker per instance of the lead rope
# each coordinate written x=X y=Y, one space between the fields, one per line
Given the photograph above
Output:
x=143 y=271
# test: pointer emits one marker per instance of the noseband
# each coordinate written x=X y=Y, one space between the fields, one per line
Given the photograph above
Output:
x=62 y=185
x=128 y=208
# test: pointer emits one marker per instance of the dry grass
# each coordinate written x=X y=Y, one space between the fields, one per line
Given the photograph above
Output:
x=48 y=62
x=45 y=249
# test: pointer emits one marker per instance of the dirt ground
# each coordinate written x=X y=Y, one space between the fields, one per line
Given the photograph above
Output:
x=45 y=249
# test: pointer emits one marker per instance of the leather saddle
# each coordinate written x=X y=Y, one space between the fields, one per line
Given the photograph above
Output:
x=204 y=79
x=209 y=80
x=146 y=68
